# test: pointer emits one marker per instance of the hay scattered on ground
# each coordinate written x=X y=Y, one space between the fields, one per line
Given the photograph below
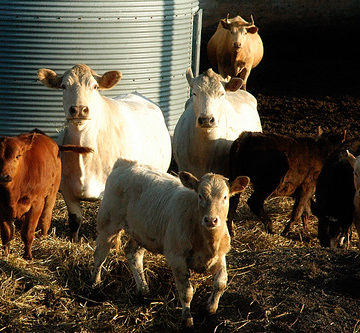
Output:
x=54 y=293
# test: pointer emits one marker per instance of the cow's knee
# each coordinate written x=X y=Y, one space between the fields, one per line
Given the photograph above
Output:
x=74 y=225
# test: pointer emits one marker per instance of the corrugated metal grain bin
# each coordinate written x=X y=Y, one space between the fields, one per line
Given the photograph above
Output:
x=150 y=42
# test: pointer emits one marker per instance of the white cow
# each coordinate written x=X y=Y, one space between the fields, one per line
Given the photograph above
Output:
x=214 y=116
x=129 y=126
x=185 y=221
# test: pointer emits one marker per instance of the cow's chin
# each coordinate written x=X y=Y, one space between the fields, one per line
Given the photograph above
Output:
x=78 y=122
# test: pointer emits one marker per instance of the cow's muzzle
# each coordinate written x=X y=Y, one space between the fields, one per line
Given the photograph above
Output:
x=5 y=179
x=79 y=112
x=211 y=222
x=206 y=122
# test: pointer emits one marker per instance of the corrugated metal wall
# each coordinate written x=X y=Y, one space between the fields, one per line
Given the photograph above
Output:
x=150 y=42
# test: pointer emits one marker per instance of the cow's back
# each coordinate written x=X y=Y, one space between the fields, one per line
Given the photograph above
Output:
x=144 y=201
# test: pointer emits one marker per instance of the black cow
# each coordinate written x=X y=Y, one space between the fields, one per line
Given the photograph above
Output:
x=334 y=196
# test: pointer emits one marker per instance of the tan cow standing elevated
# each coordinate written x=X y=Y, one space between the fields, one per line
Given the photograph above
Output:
x=184 y=219
x=235 y=48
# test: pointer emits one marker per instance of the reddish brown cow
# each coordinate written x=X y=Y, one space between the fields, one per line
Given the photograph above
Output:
x=280 y=165
x=30 y=174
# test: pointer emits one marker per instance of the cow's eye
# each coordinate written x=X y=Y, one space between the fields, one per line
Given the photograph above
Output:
x=194 y=94
x=63 y=86
x=225 y=197
x=17 y=156
x=200 y=197
x=95 y=87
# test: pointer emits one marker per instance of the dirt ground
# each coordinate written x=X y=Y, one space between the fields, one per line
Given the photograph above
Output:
x=276 y=284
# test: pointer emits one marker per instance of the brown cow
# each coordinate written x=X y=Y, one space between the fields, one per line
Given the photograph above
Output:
x=30 y=174
x=279 y=165
x=235 y=48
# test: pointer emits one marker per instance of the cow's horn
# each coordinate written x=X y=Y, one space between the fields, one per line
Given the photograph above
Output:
x=227 y=18
x=252 y=20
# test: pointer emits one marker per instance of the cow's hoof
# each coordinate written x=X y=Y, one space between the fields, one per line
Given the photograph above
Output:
x=189 y=322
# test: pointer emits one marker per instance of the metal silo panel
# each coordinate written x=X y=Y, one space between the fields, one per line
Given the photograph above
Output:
x=150 y=42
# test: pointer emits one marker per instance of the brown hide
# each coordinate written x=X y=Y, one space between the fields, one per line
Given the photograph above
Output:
x=30 y=174
x=280 y=165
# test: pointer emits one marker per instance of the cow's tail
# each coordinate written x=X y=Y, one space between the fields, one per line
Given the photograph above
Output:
x=76 y=149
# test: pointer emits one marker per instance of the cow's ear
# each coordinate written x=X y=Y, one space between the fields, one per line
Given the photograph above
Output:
x=234 y=84
x=49 y=78
x=190 y=77
x=239 y=185
x=189 y=180
x=27 y=141
x=225 y=24
x=351 y=158
x=108 y=80
x=252 y=30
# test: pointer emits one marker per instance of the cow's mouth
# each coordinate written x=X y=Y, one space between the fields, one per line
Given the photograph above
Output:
x=77 y=118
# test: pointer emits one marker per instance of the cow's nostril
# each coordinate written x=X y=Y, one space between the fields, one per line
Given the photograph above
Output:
x=85 y=110
x=201 y=121
x=212 y=120
x=72 y=110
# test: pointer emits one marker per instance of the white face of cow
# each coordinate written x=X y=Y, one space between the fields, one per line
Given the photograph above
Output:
x=209 y=93
x=81 y=87
x=238 y=31
x=214 y=193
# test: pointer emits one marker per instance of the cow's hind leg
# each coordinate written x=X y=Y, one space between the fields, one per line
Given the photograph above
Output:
x=7 y=234
x=135 y=255
x=302 y=200
x=29 y=225
x=45 y=218
x=104 y=242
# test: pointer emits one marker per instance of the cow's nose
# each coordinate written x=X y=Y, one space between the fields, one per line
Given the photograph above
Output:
x=79 y=111
x=206 y=121
x=5 y=178
x=237 y=45
x=210 y=222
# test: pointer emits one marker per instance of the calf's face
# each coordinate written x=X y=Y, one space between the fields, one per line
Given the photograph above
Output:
x=208 y=93
x=11 y=153
x=214 y=192
x=80 y=86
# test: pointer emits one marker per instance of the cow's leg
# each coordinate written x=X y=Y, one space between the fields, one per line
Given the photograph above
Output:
x=135 y=255
x=45 y=218
x=104 y=243
x=234 y=201
x=220 y=282
x=7 y=234
x=74 y=212
x=302 y=198
x=29 y=225
x=256 y=204
x=181 y=275
x=244 y=74
x=306 y=215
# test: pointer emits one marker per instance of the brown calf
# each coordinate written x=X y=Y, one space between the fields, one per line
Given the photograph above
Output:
x=30 y=174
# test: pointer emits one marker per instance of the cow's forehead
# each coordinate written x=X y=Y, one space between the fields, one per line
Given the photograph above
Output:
x=79 y=74
x=213 y=184
x=8 y=147
x=208 y=82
